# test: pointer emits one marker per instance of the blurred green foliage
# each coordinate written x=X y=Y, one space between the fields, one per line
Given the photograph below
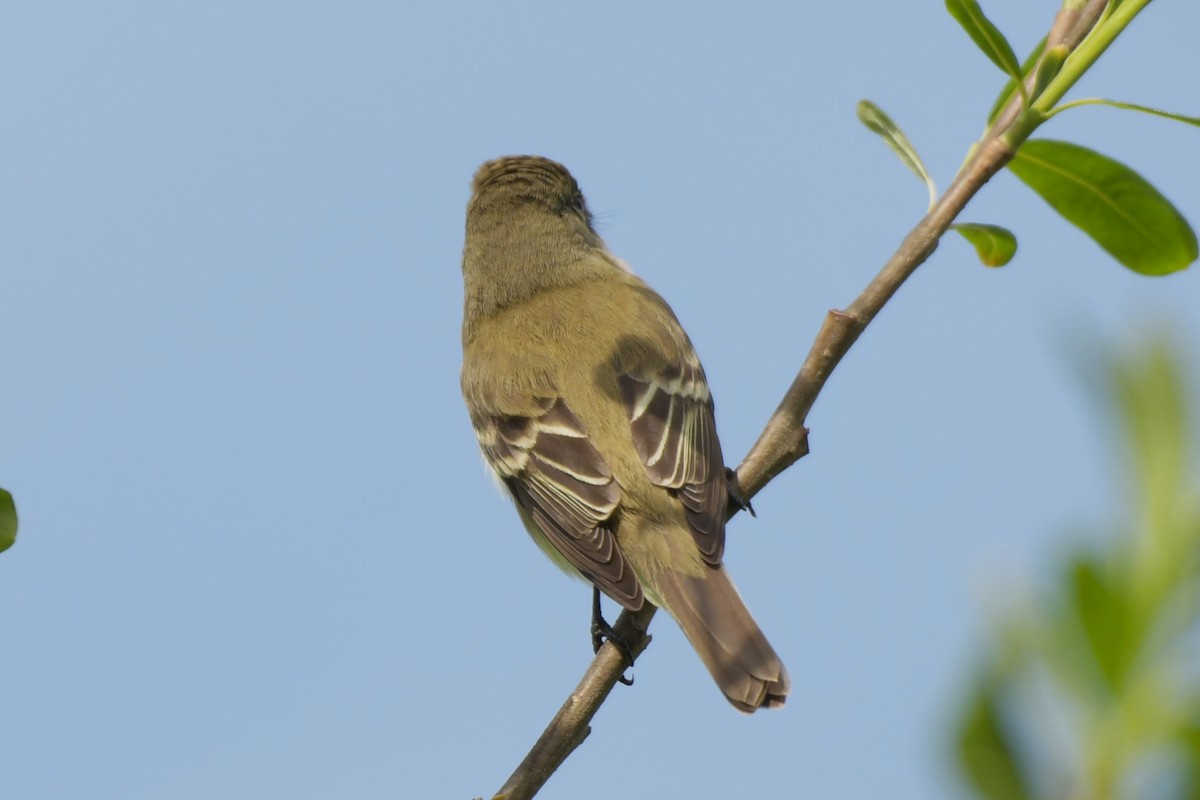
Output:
x=1093 y=689
x=8 y=521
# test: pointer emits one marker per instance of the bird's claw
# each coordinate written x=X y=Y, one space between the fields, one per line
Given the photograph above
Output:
x=736 y=498
x=602 y=631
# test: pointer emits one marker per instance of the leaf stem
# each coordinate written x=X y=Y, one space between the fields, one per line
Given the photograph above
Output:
x=1100 y=101
x=1110 y=25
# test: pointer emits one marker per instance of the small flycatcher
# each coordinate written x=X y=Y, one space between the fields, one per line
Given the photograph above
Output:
x=591 y=406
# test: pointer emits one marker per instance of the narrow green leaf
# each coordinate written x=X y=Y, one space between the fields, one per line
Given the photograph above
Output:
x=1187 y=735
x=1152 y=395
x=1010 y=88
x=8 y=521
x=1157 y=112
x=1109 y=202
x=1048 y=69
x=876 y=120
x=985 y=35
x=995 y=246
x=1103 y=615
x=986 y=751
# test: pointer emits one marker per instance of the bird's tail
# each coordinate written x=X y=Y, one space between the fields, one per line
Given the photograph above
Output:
x=721 y=630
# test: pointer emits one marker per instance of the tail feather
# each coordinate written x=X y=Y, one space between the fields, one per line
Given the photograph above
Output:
x=729 y=642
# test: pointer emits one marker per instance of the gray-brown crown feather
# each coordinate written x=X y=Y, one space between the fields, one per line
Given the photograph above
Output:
x=530 y=178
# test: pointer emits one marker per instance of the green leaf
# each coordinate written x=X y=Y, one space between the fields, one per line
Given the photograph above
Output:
x=1109 y=202
x=986 y=751
x=1048 y=69
x=1100 y=101
x=985 y=35
x=8 y=521
x=876 y=120
x=1010 y=88
x=1103 y=615
x=1152 y=396
x=1187 y=735
x=995 y=246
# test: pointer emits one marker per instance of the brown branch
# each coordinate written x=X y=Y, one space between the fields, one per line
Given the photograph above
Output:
x=784 y=440
x=571 y=725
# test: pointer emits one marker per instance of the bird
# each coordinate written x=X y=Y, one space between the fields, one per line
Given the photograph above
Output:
x=592 y=409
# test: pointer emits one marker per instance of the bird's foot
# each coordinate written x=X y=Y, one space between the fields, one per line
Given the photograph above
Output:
x=602 y=631
x=736 y=498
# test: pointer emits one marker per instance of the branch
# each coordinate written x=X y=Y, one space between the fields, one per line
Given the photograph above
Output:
x=784 y=440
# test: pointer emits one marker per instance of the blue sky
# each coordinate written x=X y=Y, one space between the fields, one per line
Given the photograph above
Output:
x=259 y=556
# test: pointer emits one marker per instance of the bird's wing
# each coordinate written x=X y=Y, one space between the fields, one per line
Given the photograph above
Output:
x=563 y=483
x=671 y=419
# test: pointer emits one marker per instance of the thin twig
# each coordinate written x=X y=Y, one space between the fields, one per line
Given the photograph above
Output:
x=570 y=725
x=784 y=440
